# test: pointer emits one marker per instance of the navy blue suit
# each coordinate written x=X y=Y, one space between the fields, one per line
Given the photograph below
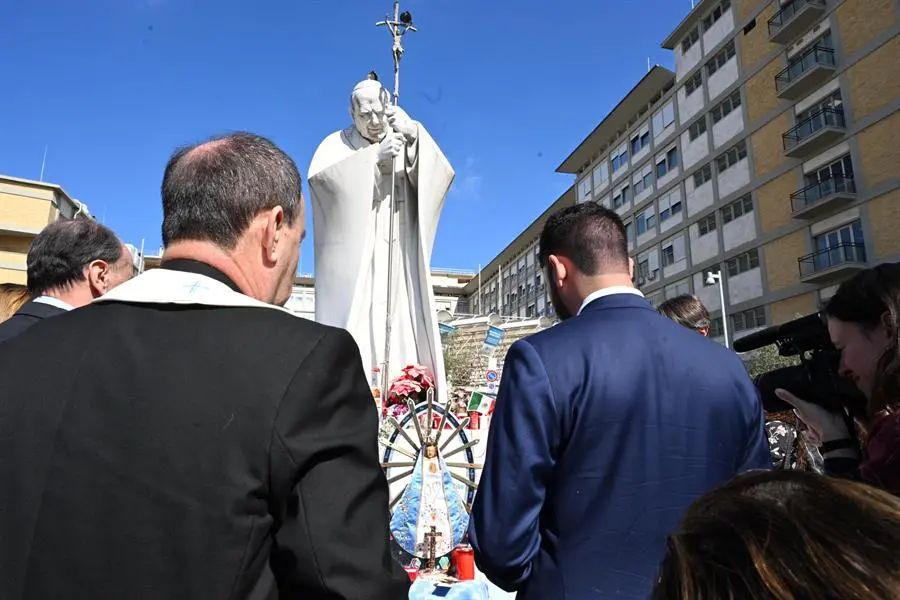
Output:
x=606 y=428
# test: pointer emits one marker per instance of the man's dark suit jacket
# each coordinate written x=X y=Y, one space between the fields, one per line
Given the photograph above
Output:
x=30 y=313
x=606 y=428
x=190 y=452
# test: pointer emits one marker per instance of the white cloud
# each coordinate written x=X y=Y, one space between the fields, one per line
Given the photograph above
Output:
x=467 y=184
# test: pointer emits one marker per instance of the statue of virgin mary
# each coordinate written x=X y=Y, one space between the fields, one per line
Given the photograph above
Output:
x=431 y=500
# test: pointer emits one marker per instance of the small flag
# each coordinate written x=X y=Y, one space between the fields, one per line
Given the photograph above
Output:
x=480 y=403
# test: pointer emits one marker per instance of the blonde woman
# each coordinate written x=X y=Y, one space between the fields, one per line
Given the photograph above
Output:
x=12 y=297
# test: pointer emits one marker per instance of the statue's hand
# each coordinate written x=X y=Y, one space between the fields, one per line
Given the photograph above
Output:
x=391 y=146
x=401 y=123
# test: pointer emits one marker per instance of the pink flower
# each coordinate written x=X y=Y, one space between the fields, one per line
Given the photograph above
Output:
x=397 y=410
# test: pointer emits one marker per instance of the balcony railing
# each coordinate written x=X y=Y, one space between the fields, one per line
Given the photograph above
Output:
x=808 y=127
x=829 y=258
x=817 y=56
x=792 y=17
x=812 y=194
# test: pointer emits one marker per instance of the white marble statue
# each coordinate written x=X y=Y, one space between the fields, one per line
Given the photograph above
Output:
x=350 y=185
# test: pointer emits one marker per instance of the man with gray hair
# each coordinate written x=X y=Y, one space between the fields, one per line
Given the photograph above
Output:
x=69 y=264
x=211 y=444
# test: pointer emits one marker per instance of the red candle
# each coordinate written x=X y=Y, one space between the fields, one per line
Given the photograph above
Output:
x=464 y=560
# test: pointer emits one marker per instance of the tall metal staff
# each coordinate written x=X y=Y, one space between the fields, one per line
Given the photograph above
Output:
x=398 y=26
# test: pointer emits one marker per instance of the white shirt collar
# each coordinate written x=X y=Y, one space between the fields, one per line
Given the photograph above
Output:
x=54 y=302
x=618 y=289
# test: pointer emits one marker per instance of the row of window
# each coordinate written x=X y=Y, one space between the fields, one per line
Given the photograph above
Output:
x=693 y=36
x=738 y=208
x=720 y=59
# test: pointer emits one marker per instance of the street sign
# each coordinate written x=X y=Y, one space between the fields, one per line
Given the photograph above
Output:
x=492 y=386
x=491 y=376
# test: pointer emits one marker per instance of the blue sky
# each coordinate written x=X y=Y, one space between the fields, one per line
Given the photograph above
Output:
x=507 y=89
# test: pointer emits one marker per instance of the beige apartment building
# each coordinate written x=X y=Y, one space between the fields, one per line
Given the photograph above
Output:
x=26 y=207
x=767 y=156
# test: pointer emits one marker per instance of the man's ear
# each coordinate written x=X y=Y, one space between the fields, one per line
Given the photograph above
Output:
x=98 y=275
x=631 y=267
x=273 y=237
x=890 y=328
x=557 y=270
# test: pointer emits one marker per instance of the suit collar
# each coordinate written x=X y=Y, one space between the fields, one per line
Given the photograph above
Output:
x=40 y=310
x=617 y=300
x=610 y=291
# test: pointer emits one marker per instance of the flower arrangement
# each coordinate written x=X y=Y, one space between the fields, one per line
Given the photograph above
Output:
x=413 y=383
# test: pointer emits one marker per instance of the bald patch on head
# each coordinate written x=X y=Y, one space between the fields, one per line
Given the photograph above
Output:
x=207 y=148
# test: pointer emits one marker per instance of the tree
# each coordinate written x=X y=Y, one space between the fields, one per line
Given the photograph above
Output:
x=766 y=359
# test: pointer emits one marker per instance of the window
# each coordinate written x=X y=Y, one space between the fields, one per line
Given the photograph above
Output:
x=727 y=105
x=840 y=170
x=840 y=245
x=618 y=201
x=731 y=157
x=707 y=224
x=601 y=174
x=629 y=232
x=738 y=208
x=720 y=59
x=694 y=83
x=749 y=319
x=620 y=159
x=666 y=163
x=670 y=205
x=715 y=327
x=673 y=251
x=697 y=129
x=834 y=102
x=639 y=142
x=646 y=221
x=643 y=180
x=702 y=175
x=664 y=118
x=742 y=262
x=692 y=38
x=584 y=189
x=750 y=26
x=715 y=15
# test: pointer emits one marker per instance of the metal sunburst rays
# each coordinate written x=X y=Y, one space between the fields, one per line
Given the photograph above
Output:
x=427 y=435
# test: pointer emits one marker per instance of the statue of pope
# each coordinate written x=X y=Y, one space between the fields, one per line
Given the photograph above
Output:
x=350 y=188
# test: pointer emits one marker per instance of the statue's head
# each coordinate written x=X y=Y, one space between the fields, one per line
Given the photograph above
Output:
x=368 y=102
x=430 y=451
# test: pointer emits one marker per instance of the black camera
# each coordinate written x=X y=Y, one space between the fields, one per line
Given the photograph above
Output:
x=816 y=378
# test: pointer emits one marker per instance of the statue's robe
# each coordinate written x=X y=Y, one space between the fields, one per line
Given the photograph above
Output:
x=430 y=500
x=350 y=194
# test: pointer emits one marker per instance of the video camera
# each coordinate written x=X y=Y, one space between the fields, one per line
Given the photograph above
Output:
x=816 y=378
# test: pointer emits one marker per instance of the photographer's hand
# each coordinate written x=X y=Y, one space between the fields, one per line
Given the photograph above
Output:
x=827 y=426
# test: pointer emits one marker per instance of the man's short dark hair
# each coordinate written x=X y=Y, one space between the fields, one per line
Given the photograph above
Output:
x=591 y=236
x=62 y=251
x=212 y=191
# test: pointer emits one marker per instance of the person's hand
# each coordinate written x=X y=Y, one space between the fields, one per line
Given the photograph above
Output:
x=391 y=146
x=823 y=424
x=401 y=123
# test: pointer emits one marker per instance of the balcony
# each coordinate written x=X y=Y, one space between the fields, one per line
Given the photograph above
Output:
x=832 y=264
x=824 y=196
x=805 y=73
x=794 y=18
x=814 y=133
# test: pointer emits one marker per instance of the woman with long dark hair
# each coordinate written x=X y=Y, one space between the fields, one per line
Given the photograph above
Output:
x=785 y=535
x=863 y=318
